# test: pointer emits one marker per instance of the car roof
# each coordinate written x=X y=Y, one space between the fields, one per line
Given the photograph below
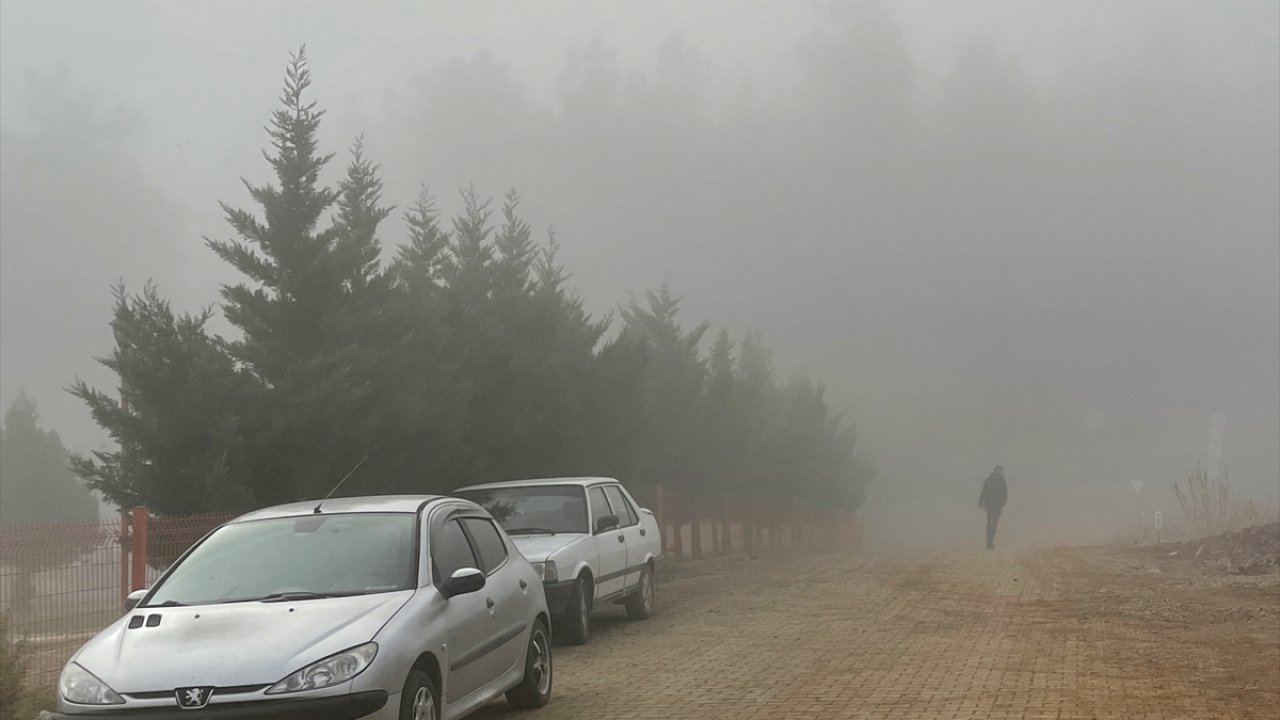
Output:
x=540 y=482
x=366 y=504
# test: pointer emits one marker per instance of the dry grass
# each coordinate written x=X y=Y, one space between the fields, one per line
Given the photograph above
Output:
x=18 y=701
x=1208 y=508
x=1206 y=502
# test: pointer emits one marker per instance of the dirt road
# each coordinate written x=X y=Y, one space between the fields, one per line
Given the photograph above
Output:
x=1064 y=633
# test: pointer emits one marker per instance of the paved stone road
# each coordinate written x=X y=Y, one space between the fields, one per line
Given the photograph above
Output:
x=993 y=635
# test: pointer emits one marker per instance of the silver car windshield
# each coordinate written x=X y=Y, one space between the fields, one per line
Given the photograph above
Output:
x=296 y=558
x=534 y=510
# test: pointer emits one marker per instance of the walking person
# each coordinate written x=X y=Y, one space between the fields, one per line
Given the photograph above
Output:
x=995 y=493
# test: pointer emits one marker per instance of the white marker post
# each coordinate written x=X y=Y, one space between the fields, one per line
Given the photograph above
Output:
x=1137 y=486
x=1158 y=523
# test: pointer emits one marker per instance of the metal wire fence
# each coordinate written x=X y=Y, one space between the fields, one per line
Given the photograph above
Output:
x=60 y=584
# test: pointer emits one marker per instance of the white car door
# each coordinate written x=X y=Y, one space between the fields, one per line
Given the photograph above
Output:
x=632 y=532
x=610 y=545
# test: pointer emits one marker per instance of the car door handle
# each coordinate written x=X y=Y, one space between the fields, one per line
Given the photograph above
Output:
x=621 y=539
x=524 y=585
x=489 y=603
x=642 y=532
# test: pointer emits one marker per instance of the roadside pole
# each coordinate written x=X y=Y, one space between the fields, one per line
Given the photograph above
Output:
x=1137 y=486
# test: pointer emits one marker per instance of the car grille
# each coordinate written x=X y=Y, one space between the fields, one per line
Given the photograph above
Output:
x=217 y=692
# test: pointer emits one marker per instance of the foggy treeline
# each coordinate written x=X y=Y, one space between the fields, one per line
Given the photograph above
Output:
x=992 y=251
x=467 y=358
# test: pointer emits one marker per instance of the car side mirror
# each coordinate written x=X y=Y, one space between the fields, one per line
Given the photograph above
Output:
x=132 y=599
x=607 y=522
x=462 y=582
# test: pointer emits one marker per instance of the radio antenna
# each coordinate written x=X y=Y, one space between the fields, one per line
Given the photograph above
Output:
x=335 y=487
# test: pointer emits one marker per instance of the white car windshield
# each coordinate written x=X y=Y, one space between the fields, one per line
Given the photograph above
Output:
x=533 y=510
x=295 y=558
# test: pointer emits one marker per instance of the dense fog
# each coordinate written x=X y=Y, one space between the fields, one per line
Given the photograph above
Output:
x=1036 y=234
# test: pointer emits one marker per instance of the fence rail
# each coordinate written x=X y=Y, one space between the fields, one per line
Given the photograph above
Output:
x=694 y=528
x=60 y=584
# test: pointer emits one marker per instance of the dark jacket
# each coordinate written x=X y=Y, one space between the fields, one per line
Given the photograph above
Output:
x=995 y=492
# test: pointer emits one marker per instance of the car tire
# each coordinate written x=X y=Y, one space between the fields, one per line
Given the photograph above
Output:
x=640 y=603
x=534 y=689
x=575 y=627
x=420 y=699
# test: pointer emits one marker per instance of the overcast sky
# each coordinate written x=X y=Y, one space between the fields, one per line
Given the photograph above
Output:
x=1042 y=234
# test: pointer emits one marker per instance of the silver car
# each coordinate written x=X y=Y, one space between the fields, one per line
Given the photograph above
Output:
x=388 y=608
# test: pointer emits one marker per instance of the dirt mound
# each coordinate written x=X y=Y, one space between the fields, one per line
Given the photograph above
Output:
x=1251 y=551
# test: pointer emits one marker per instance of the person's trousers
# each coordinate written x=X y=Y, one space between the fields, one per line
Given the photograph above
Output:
x=993 y=519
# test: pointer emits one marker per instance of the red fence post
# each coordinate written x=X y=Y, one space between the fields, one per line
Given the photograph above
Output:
x=138 y=561
x=123 y=543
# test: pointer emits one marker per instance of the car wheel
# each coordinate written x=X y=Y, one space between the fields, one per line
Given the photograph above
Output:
x=640 y=603
x=418 y=701
x=576 y=623
x=534 y=689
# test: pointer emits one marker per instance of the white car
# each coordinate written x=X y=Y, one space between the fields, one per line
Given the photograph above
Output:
x=587 y=538
x=380 y=608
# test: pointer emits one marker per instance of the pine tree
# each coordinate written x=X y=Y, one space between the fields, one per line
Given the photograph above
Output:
x=285 y=256
x=672 y=387
x=35 y=473
x=182 y=418
x=357 y=250
x=757 y=409
x=419 y=266
x=723 y=431
x=313 y=314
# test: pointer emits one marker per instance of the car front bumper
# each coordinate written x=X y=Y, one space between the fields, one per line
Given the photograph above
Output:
x=559 y=595
x=341 y=707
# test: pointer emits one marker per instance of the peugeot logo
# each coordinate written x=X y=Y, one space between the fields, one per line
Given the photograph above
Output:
x=193 y=698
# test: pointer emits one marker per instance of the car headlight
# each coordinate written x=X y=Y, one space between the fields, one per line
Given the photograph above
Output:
x=333 y=670
x=79 y=686
x=547 y=571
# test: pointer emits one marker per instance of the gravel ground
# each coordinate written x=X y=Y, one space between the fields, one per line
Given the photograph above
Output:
x=1063 y=633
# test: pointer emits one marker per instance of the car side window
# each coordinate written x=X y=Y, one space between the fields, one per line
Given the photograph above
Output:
x=599 y=506
x=492 y=550
x=451 y=551
x=621 y=508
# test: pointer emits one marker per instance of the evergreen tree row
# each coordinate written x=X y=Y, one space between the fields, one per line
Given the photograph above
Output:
x=463 y=357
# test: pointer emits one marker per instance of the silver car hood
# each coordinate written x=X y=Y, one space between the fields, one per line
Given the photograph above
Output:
x=537 y=548
x=236 y=644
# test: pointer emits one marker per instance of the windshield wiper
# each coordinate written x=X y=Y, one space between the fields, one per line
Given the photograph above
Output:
x=305 y=595
x=168 y=603
x=291 y=595
x=530 y=530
